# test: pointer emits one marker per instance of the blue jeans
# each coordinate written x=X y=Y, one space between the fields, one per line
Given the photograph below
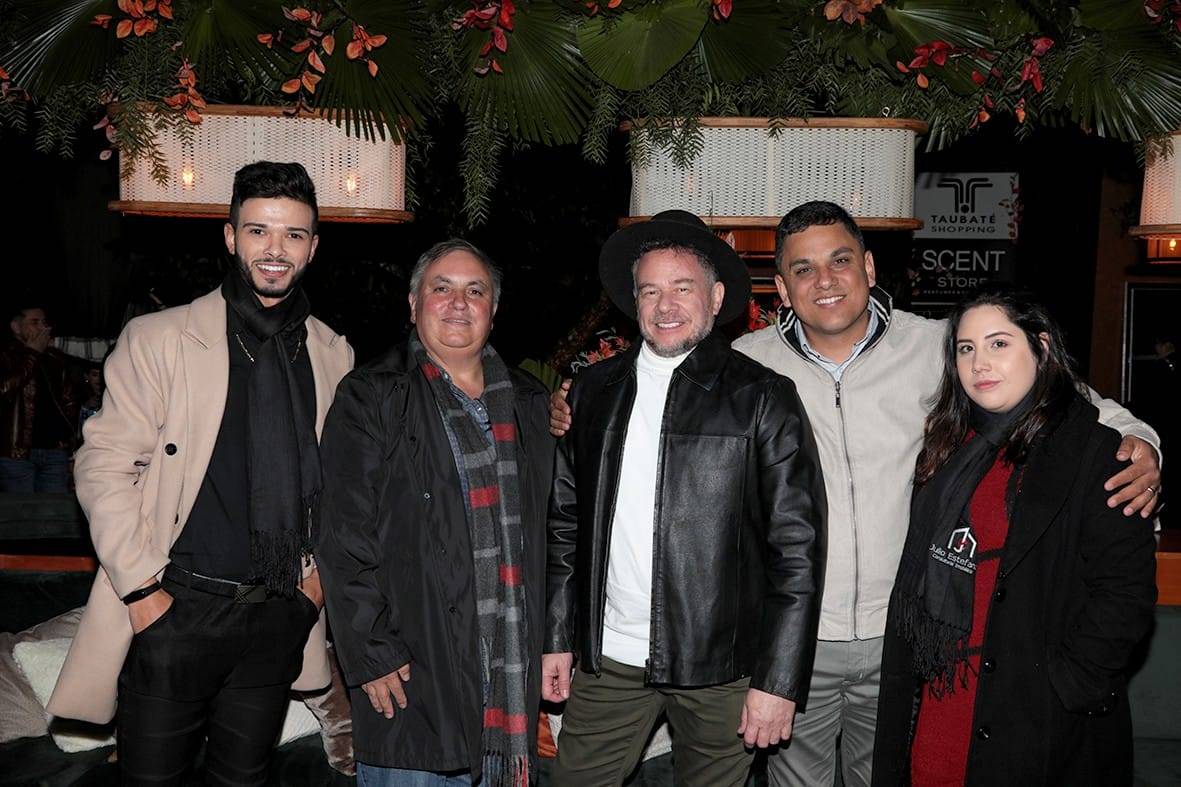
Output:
x=46 y=470
x=376 y=776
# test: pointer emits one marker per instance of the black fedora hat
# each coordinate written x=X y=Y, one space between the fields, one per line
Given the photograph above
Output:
x=684 y=229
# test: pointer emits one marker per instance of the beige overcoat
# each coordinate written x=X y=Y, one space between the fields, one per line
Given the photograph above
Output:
x=140 y=467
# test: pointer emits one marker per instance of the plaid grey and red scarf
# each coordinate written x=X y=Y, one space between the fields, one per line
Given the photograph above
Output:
x=494 y=520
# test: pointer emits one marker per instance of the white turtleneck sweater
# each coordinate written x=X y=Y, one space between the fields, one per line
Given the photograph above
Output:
x=627 y=618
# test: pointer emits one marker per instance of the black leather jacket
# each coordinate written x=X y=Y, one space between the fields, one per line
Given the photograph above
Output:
x=738 y=555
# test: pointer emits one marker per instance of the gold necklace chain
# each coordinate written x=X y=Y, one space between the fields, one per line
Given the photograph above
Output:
x=298 y=346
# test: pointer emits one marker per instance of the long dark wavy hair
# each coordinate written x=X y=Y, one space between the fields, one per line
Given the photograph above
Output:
x=1055 y=384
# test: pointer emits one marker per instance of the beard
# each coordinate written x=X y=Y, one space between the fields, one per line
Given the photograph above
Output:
x=681 y=347
x=265 y=290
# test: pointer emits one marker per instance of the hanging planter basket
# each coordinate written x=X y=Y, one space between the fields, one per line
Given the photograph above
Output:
x=357 y=180
x=752 y=171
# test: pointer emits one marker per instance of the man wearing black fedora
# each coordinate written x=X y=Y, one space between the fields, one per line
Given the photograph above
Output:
x=686 y=529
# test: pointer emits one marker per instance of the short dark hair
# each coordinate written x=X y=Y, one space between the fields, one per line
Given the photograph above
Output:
x=445 y=247
x=269 y=179
x=814 y=214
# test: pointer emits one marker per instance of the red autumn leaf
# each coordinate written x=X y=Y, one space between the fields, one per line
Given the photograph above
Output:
x=317 y=18
x=266 y=39
x=983 y=116
x=197 y=100
x=499 y=39
x=329 y=44
x=124 y=6
x=988 y=102
x=977 y=77
x=614 y=3
x=149 y=5
x=300 y=47
x=290 y=86
x=101 y=20
x=102 y=123
x=1042 y=45
x=144 y=26
x=109 y=131
x=137 y=8
x=193 y=116
x=123 y=29
x=1019 y=111
x=505 y=19
x=315 y=62
x=165 y=11
x=301 y=15
x=481 y=70
x=898 y=64
x=177 y=100
x=354 y=50
x=923 y=81
x=373 y=42
x=484 y=50
x=106 y=154
x=996 y=72
x=833 y=9
x=373 y=68
x=1037 y=81
x=309 y=80
x=920 y=61
x=939 y=57
x=290 y=17
x=496 y=66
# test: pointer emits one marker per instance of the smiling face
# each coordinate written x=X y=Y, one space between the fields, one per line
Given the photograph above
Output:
x=825 y=277
x=994 y=362
x=273 y=244
x=453 y=306
x=676 y=301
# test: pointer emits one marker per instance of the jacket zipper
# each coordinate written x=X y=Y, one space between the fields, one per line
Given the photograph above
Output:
x=852 y=510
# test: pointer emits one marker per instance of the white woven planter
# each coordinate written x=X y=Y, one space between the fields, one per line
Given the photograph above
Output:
x=1160 y=205
x=356 y=179
x=748 y=177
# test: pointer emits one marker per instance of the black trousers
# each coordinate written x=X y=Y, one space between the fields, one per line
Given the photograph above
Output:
x=209 y=668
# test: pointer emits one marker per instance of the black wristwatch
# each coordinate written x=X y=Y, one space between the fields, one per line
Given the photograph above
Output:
x=142 y=593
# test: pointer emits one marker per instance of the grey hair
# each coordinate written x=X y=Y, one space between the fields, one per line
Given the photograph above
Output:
x=441 y=250
x=707 y=265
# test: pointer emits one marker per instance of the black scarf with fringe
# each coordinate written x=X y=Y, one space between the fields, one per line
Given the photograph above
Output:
x=282 y=453
x=937 y=574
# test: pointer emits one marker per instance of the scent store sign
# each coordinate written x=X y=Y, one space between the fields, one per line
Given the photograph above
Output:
x=969 y=234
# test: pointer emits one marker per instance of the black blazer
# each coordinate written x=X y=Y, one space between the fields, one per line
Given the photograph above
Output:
x=1074 y=594
x=395 y=559
x=740 y=523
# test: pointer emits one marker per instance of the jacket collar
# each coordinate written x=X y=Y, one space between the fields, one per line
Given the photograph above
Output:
x=702 y=367
x=879 y=300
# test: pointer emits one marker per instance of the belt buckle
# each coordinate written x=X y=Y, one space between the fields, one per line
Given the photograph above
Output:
x=250 y=594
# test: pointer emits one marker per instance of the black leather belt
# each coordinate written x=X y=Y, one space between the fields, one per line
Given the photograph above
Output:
x=240 y=593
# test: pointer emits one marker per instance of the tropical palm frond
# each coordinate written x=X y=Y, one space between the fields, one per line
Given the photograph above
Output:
x=633 y=50
x=395 y=98
x=220 y=39
x=748 y=43
x=543 y=94
x=54 y=44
